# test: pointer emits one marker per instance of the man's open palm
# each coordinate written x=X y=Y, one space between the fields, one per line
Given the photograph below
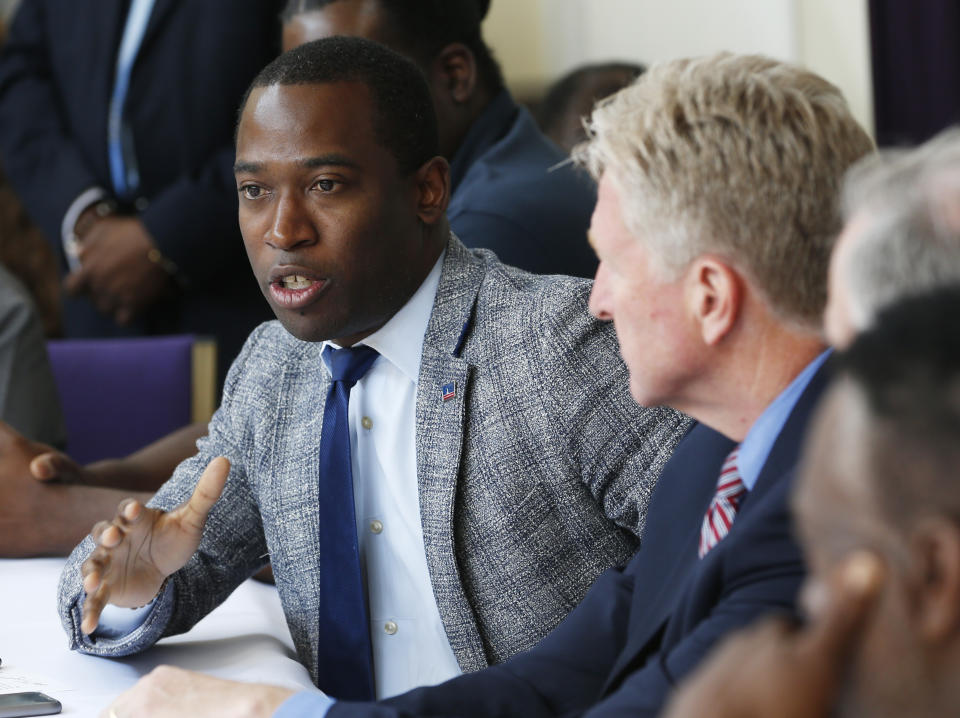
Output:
x=140 y=547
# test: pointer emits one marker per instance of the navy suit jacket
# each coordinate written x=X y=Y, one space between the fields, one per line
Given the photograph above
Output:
x=512 y=193
x=642 y=628
x=194 y=64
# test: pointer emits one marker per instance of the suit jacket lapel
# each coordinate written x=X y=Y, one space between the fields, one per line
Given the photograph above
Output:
x=440 y=431
x=158 y=15
x=683 y=494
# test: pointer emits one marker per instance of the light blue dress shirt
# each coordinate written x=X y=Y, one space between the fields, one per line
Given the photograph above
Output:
x=755 y=448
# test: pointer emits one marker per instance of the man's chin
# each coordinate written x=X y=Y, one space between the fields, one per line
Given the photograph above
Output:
x=642 y=395
x=303 y=327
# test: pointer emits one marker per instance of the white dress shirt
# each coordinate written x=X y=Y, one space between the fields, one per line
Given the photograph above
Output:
x=410 y=646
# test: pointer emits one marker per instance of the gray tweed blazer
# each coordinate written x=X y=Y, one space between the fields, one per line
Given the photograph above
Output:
x=532 y=480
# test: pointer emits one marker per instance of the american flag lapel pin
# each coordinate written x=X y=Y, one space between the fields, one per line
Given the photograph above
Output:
x=448 y=391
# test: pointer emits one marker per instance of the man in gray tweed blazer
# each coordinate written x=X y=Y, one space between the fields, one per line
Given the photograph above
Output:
x=533 y=477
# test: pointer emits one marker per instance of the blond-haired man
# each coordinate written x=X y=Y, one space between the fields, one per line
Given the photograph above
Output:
x=718 y=199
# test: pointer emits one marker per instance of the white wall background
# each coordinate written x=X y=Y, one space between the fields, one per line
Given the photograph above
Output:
x=538 y=40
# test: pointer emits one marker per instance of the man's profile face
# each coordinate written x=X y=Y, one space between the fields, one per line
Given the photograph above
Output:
x=835 y=515
x=329 y=224
x=646 y=308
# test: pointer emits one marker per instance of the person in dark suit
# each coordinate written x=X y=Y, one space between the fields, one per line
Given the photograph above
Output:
x=884 y=448
x=716 y=210
x=116 y=120
x=876 y=506
x=512 y=191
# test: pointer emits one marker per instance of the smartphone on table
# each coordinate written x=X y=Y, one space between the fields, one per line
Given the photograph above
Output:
x=18 y=705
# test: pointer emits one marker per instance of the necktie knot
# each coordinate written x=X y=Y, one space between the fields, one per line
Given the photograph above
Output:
x=348 y=365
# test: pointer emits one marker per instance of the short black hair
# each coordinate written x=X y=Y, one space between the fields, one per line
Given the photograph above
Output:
x=422 y=28
x=606 y=78
x=908 y=369
x=404 y=120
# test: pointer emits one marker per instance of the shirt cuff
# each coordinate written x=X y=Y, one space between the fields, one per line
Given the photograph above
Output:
x=67 y=237
x=117 y=622
x=307 y=704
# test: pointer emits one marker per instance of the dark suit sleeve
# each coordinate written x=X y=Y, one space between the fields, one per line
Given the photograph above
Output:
x=193 y=220
x=510 y=242
x=522 y=246
x=564 y=673
x=40 y=159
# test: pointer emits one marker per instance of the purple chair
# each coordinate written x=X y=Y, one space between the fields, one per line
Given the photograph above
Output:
x=120 y=394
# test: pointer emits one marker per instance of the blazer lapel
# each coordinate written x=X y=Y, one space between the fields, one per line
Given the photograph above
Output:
x=684 y=491
x=442 y=391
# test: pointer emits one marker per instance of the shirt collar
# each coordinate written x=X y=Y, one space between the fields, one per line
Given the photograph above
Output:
x=756 y=447
x=400 y=340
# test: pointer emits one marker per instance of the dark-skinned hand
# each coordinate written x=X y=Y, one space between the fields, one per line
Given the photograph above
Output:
x=45 y=517
x=141 y=546
x=115 y=269
x=775 y=668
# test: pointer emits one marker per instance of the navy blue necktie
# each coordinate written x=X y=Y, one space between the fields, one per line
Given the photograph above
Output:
x=345 y=660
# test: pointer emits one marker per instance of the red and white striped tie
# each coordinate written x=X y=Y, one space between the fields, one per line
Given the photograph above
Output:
x=723 y=508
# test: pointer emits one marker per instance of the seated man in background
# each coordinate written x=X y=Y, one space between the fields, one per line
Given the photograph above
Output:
x=717 y=208
x=901 y=239
x=508 y=192
x=877 y=508
x=496 y=463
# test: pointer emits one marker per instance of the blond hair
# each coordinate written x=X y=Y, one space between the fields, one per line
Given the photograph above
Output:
x=742 y=156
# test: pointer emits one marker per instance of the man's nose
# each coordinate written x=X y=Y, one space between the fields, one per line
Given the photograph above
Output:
x=599 y=295
x=291 y=226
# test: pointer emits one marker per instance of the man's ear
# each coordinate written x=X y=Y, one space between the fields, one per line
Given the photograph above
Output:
x=432 y=184
x=455 y=73
x=714 y=295
x=935 y=547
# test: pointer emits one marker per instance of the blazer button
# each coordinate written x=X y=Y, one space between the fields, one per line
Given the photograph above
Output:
x=366 y=422
x=390 y=628
x=141 y=203
x=376 y=526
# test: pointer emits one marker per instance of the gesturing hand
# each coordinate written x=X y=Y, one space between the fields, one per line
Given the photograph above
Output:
x=141 y=546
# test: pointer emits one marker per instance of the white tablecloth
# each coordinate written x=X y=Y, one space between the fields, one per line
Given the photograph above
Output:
x=244 y=639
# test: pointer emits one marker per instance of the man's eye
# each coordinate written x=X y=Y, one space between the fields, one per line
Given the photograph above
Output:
x=251 y=191
x=325 y=185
